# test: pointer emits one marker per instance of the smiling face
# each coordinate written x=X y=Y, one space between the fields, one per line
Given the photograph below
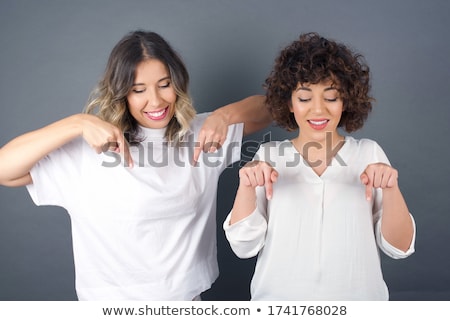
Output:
x=152 y=98
x=317 y=110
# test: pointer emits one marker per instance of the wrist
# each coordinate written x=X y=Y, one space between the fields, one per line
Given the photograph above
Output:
x=78 y=122
x=223 y=115
x=247 y=191
x=393 y=190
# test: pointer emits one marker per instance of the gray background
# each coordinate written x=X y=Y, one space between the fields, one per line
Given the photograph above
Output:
x=53 y=52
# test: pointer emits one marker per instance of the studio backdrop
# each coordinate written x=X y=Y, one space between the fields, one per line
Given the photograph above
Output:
x=52 y=53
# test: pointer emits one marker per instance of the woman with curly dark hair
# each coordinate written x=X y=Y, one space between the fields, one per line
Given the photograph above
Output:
x=316 y=209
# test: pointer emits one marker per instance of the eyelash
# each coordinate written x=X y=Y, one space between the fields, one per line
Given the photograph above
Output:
x=162 y=87
x=328 y=100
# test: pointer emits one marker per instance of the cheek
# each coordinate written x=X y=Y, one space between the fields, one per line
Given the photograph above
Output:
x=291 y=103
x=134 y=104
x=298 y=110
x=337 y=110
x=170 y=96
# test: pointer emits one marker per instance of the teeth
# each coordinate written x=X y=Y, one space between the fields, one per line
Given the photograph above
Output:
x=156 y=114
x=318 y=123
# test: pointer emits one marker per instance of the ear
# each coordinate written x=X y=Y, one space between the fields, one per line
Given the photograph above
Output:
x=289 y=103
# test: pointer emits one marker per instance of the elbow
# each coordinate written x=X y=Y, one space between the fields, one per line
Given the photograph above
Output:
x=22 y=181
x=4 y=180
x=11 y=174
x=405 y=247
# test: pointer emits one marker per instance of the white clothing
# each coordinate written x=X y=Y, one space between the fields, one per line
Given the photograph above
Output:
x=141 y=233
x=317 y=237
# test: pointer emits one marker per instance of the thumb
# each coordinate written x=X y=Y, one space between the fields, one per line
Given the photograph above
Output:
x=366 y=181
x=198 y=148
x=274 y=176
x=197 y=151
x=364 y=178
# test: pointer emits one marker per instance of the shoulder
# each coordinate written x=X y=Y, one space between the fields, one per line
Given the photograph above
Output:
x=365 y=147
x=64 y=157
x=361 y=143
x=274 y=150
x=275 y=144
x=75 y=146
x=198 y=121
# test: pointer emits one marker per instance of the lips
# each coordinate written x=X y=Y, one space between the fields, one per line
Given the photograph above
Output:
x=158 y=114
x=318 y=124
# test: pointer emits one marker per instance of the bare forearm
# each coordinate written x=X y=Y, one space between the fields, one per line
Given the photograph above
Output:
x=19 y=155
x=244 y=204
x=396 y=226
x=252 y=111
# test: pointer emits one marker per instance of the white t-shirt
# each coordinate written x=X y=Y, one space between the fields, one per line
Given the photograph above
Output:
x=317 y=237
x=141 y=233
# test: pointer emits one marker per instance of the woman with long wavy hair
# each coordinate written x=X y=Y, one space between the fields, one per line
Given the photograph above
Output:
x=130 y=172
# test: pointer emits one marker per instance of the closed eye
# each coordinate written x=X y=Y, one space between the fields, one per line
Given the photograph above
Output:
x=165 y=84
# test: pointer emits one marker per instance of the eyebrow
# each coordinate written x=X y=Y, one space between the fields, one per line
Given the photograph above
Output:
x=309 y=89
x=162 y=79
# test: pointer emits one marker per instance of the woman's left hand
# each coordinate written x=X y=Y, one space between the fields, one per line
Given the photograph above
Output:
x=212 y=135
x=379 y=175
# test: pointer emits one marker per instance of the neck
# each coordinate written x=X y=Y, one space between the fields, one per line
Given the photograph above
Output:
x=329 y=140
x=319 y=153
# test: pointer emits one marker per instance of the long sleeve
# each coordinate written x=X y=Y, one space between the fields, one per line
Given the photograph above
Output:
x=389 y=249
x=383 y=244
x=247 y=236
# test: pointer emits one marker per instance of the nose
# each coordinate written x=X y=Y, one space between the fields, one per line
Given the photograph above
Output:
x=317 y=106
x=154 y=99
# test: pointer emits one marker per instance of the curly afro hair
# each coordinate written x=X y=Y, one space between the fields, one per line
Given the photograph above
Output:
x=313 y=59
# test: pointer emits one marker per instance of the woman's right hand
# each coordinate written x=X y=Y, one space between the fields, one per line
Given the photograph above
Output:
x=103 y=136
x=253 y=174
x=258 y=173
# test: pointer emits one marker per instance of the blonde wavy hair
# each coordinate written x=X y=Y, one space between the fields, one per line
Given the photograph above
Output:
x=109 y=99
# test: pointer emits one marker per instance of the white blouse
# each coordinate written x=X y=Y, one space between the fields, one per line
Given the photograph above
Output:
x=317 y=238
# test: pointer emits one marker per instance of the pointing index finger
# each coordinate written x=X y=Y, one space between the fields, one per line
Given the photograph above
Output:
x=197 y=151
x=125 y=152
x=270 y=178
x=127 y=156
